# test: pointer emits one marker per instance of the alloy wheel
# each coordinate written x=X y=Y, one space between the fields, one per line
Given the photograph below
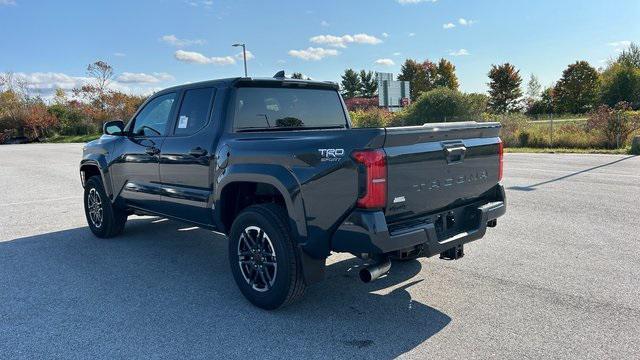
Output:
x=94 y=205
x=257 y=258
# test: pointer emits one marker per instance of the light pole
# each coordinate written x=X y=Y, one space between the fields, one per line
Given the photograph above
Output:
x=244 y=57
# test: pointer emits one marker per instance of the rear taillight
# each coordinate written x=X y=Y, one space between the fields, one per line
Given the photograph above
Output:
x=373 y=177
x=500 y=160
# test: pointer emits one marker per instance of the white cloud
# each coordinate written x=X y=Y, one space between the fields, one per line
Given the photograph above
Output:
x=324 y=23
x=465 y=22
x=249 y=55
x=342 y=41
x=7 y=2
x=384 y=62
x=142 y=78
x=366 y=39
x=461 y=52
x=397 y=53
x=45 y=83
x=175 y=41
x=197 y=58
x=49 y=80
x=412 y=34
x=620 y=45
x=448 y=26
x=385 y=35
x=312 y=53
x=195 y=3
x=405 y=2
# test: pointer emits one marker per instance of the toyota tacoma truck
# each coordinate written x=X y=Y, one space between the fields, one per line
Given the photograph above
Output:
x=275 y=165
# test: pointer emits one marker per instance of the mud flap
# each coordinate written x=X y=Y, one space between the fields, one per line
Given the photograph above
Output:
x=312 y=268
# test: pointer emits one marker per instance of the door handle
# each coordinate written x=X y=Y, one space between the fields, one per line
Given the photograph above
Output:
x=152 y=150
x=197 y=152
x=455 y=154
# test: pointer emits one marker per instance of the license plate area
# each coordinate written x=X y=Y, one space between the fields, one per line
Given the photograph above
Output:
x=446 y=223
x=456 y=221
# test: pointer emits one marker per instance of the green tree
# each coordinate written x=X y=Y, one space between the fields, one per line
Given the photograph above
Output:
x=445 y=75
x=416 y=74
x=620 y=82
x=504 y=88
x=577 y=90
x=533 y=88
x=542 y=105
x=369 y=84
x=350 y=84
x=477 y=104
x=297 y=75
x=630 y=56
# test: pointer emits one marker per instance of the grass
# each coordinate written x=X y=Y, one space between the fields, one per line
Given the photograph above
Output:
x=72 y=138
x=623 y=151
x=557 y=121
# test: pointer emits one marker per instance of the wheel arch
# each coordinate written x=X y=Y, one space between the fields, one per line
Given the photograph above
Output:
x=94 y=166
x=284 y=185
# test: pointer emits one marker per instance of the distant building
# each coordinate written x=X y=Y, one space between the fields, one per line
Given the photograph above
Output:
x=392 y=94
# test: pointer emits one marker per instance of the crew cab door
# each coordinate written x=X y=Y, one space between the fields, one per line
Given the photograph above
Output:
x=186 y=157
x=135 y=171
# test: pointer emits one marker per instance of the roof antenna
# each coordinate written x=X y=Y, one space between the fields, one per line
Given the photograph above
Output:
x=279 y=75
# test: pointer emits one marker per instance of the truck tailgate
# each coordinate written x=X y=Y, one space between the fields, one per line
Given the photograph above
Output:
x=436 y=166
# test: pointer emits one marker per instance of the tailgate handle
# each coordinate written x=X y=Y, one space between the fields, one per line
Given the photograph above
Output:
x=455 y=154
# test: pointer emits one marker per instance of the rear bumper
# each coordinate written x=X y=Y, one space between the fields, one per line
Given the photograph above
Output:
x=367 y=231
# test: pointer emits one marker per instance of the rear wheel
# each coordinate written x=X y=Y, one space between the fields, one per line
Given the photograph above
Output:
x=263 y=258
x=103 y=218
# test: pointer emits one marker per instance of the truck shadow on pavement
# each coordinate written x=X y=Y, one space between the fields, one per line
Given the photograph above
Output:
x=534 y=186
x=163 y=289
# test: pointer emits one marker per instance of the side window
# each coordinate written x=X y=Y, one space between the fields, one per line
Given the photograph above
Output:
x=152 y=120
x=194 y=111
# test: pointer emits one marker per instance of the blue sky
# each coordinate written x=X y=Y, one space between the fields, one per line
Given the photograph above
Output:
x=155 y=44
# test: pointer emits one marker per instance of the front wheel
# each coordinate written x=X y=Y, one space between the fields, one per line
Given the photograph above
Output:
x=263 y=258
x=103 y=218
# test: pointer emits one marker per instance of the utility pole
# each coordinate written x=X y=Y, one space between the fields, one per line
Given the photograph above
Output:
x=244 y=56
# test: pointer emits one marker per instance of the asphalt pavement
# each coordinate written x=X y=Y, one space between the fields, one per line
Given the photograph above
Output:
x=558 y=278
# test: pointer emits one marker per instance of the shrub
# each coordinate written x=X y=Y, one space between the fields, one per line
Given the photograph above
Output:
x=523 y=137
x=371 y=118
x=613 y=125
x=361 y=103
x=444 y=104
x=512 y=126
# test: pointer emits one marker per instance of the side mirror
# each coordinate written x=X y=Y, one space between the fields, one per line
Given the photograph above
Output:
x=115 y=127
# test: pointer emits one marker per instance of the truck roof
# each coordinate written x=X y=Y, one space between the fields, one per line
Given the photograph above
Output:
x=255 y=81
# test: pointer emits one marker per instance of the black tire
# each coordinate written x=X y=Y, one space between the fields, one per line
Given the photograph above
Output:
x=112 y=219
x=273 y=288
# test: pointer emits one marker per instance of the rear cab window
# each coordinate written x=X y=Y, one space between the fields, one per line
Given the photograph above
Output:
x=194 y=111
x=273 y=108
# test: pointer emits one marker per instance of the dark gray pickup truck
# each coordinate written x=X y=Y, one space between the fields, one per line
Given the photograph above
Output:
x=275 y=165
